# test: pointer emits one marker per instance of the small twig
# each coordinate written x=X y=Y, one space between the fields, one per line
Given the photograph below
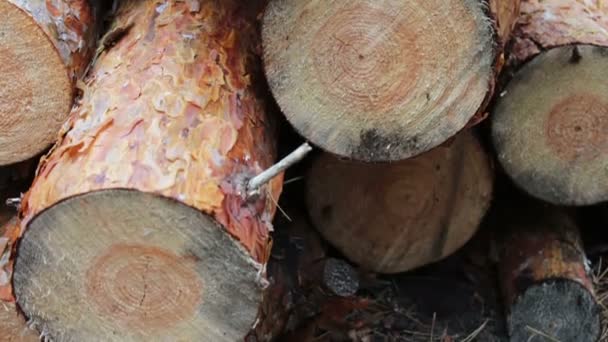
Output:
x=280 y=209
x=293 y=180
x=433 y=326
x=254 y=184
x=476 y=332
x=114 y=7
x=538 y=332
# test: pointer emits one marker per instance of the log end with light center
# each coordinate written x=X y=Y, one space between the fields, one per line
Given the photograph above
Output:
x=125 y=263
x=378 y=81
x=550 y=127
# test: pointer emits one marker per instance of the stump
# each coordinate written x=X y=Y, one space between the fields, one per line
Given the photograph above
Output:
x=44 y=47
x=549 y=128
x=380 y=81
x=548 y=291
x=394 y=217
x=138 y=224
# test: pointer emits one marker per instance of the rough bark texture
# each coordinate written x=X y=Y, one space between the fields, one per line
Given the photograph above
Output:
x=46 y=46
x=13 y=180
x=171 y=110
x=549 y=124
x=383 y=80
x=394 y=217
x=13 y=327
x=296 y=247
x=12 y=323
x=169 y=115
x=304 y=281
x=8 y=234
x=544 y=24
x=545 y=279
x=504 y=14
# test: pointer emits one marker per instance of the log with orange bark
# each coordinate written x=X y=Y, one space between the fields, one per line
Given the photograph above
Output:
x=13 y=327
x=45 y=45
x=139 y=225
x=546 y=283
x=391 y=218
x=384 y=80
x=549 y=125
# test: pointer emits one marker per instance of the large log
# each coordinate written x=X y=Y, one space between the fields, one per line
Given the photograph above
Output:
x=383 y=80
x=45 y=45
x=545 y=278
x=138 y=225
x=395 y=217
x=549 y=127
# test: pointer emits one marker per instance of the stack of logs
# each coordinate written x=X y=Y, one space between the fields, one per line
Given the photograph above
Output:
x=154 y=135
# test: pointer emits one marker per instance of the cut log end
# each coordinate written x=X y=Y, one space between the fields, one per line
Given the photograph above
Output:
x=378 y=81
x=135 y=265
x=555 y=310
x=394 y=217
x=555 y=110
x=35 y=88
x=340 y=278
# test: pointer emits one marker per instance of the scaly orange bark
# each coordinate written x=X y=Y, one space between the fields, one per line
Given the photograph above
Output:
x=544 y=24
x=171 y=110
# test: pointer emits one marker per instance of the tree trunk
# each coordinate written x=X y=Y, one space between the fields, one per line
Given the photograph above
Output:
x=138 y=223
x=383 y=80
x=394 y=217
x=549 y=126
x=545 y=280
x=45 y=45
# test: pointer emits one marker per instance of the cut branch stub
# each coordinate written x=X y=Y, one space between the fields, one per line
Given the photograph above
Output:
x=394 y=217
x=379 y=81
x=139 y=207
x=550 y=128
x=44 y=47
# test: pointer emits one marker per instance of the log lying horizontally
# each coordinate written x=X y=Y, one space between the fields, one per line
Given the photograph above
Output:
x=549 y=128
x=138 y=223
x=44 y=47
x=546 y=285
x=394 y=217
x=383 y=80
